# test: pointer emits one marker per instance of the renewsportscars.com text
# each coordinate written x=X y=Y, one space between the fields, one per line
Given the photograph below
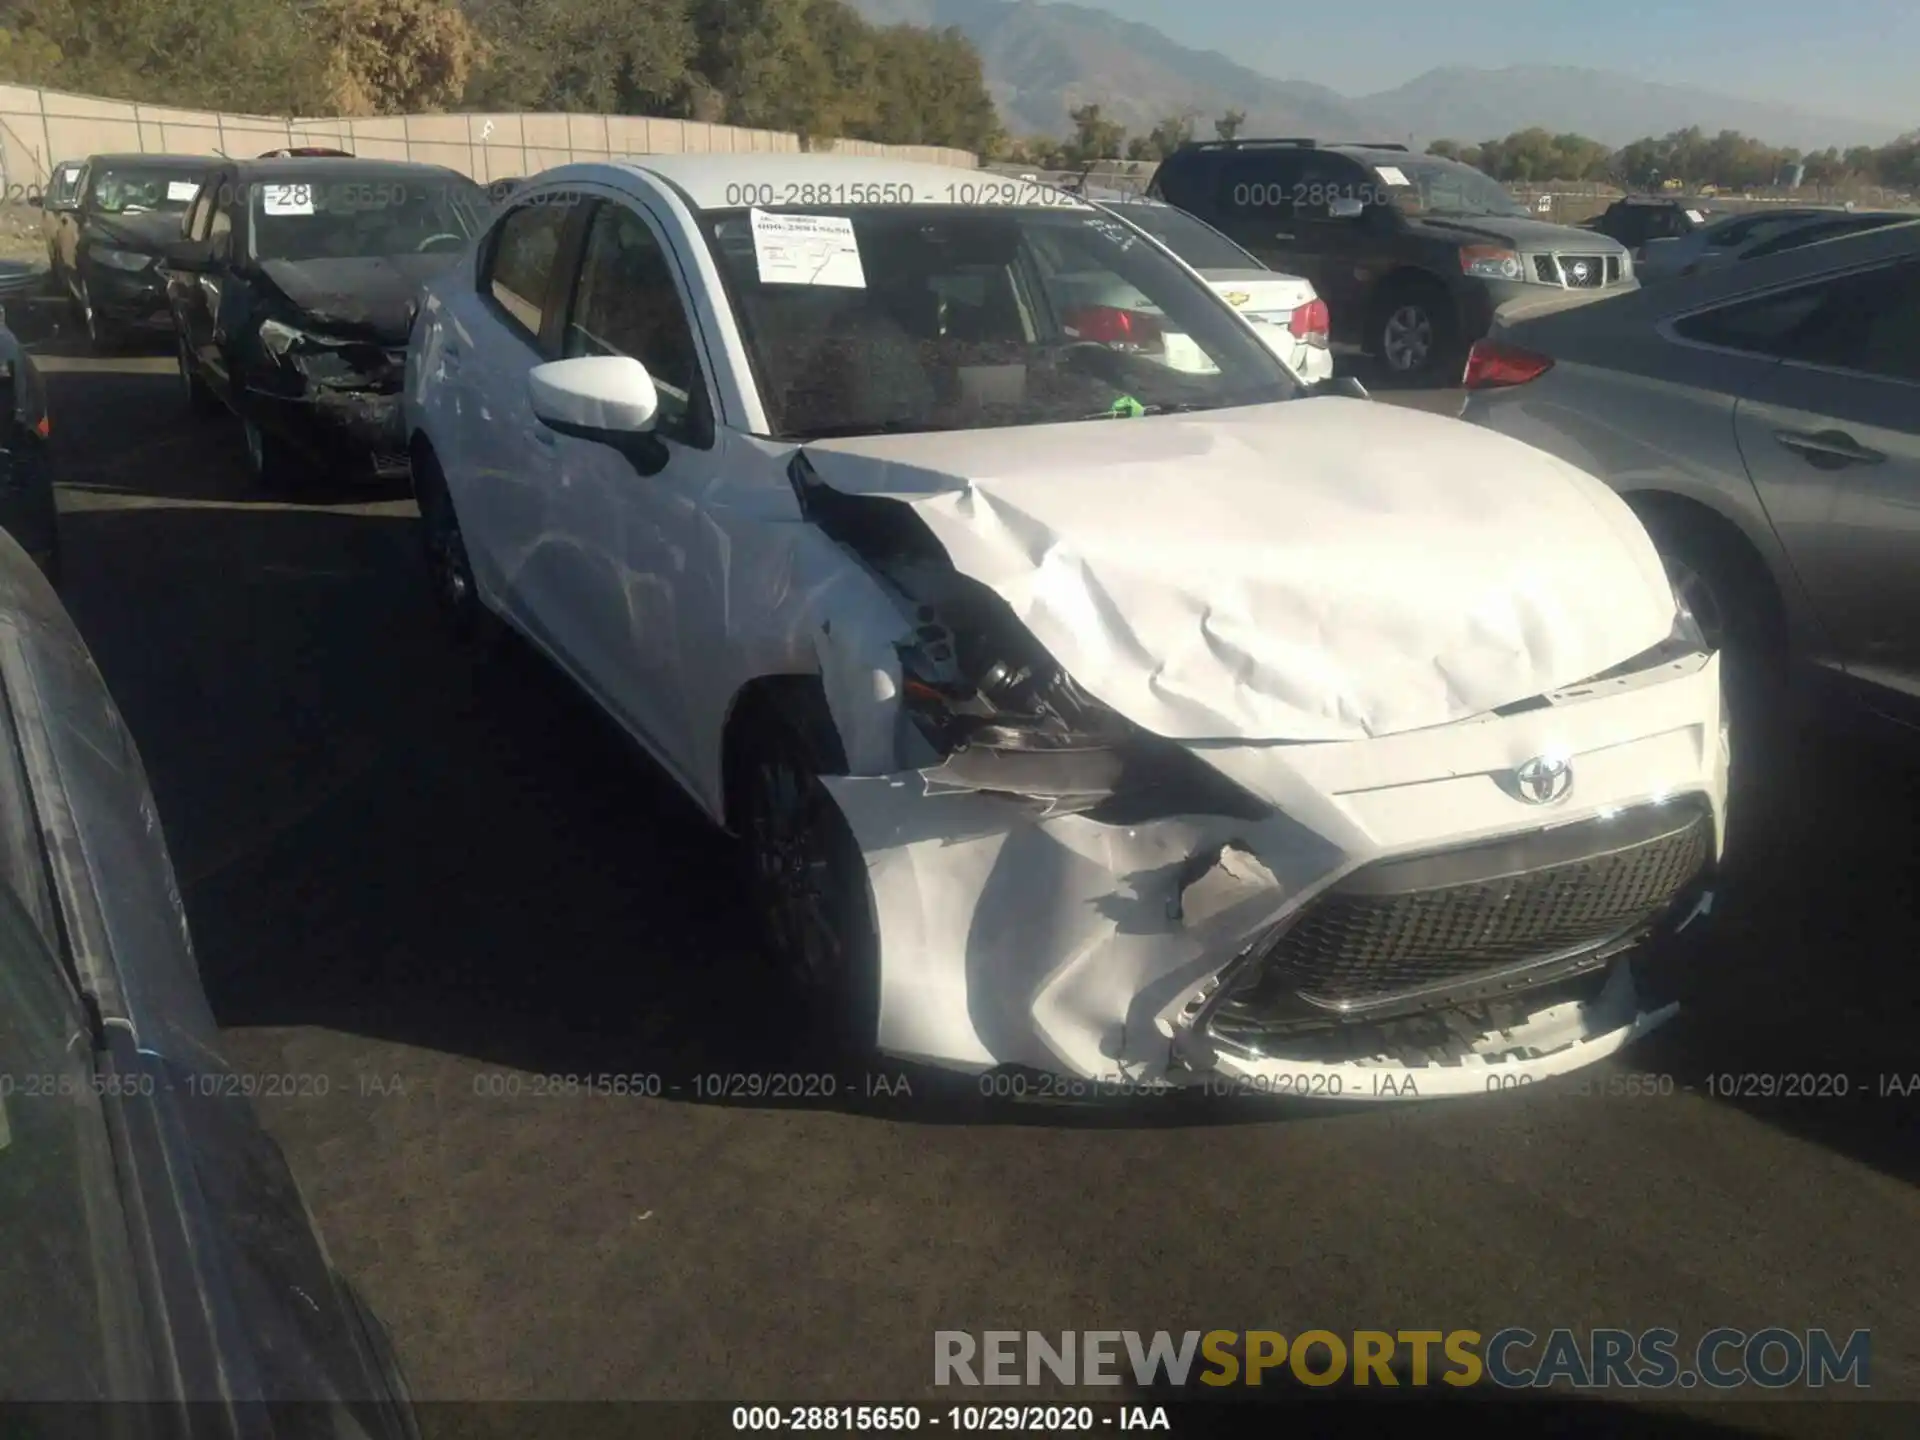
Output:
x=1510 y=1358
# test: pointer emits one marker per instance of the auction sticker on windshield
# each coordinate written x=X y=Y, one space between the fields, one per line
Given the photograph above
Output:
x=182 y=189
x=1392 y=176
x=287 y=199
x=807 y=250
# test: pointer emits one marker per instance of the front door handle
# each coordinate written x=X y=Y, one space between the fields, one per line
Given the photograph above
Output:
x=1828 y=449
x=1283 y=235
x=541 y=436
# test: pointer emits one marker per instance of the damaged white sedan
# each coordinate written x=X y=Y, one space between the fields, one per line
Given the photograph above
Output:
x=1080 y=712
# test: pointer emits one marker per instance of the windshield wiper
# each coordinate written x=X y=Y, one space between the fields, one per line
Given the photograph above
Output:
x=850 y=432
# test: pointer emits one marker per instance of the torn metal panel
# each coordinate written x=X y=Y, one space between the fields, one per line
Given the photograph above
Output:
x=1312 y=571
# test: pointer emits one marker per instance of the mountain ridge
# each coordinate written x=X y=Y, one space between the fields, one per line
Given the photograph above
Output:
x=1043 y=59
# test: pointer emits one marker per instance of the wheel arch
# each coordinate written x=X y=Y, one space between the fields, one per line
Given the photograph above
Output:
x=800 y=700
x=1405 y=278
x=1666 y=514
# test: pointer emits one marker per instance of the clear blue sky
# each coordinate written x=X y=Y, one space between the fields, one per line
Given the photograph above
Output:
x=1838 y=57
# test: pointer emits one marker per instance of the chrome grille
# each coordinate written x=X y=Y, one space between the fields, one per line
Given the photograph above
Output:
x=1363 y=945
x=1577 y=272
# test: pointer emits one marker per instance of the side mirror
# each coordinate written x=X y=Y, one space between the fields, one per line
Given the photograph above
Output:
x=188 y=256
x=1346 y=207
x=1344 y=386
x=36 y=202
x=595 y=397
x=605 y=398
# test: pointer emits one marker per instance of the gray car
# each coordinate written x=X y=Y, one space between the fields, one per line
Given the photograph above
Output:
x=1753 y=236
x=155 y=1247
x=1764 y=422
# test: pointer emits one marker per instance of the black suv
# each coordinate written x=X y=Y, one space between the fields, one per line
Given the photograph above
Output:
x=1412 y=253
x=1633 y=220
x=110 y=227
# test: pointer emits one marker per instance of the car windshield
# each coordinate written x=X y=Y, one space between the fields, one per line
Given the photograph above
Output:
x=876 y=319
x=142 y=190
x=351 y=217
x=1443 y=187
x=1201 y=246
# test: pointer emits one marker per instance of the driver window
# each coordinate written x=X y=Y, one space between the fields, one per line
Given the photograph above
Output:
x=625 y=302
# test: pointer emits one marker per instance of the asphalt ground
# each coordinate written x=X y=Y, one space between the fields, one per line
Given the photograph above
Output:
x=419 y=884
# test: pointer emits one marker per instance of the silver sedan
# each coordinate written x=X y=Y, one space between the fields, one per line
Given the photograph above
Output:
x=1764 y=422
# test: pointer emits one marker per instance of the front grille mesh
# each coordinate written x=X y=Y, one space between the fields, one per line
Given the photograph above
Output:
x=1350 y=949
x=1559 y=270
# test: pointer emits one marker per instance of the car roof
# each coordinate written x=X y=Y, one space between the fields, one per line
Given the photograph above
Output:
x=714 y=182
x=319 y=167
x=134 y=158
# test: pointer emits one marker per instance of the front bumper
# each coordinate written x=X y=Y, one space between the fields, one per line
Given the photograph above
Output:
x=131 y=299
x=1118 y=954
x=357 y=432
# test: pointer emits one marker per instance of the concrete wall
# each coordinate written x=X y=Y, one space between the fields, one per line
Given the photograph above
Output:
x=40 y=128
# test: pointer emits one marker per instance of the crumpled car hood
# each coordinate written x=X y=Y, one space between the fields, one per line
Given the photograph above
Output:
x=1323 y=569
x=371 y=295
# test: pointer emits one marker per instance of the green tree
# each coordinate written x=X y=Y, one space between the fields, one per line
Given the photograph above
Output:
x=1229 y=125
x=1165 y=138
x=1094 y=137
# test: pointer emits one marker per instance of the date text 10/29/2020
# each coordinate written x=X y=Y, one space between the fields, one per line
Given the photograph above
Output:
x=1013 y=1419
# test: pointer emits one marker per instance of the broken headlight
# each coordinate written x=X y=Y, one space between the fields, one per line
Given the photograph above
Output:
x=1009 y=722
x=330 y=359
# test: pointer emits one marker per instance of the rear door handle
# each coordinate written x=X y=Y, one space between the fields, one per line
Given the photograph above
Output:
x=1828 y=449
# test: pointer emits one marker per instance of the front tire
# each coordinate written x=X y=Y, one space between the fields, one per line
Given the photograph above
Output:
x=1415 y=336
x=271 y=464
x=443 y=546
x=199 y=399
x=808 y=880
x=1734 y=602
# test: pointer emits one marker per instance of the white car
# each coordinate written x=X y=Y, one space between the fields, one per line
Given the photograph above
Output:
x=1077 y=713
x=1285 y=310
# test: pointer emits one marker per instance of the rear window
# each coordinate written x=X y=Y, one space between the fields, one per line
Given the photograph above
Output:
x=1201 y=246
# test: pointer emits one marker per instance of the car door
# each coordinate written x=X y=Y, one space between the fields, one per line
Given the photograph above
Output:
x=1831 y=437
x=499 y=461
x=630 y=521
x=60 y=190
x=1343 y=256
x=217 y=292
x=185 y=298
x=1253 y=205
x=66 y=233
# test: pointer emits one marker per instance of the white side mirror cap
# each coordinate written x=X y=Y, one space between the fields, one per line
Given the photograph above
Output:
x=608 y=394
x=1346 y=207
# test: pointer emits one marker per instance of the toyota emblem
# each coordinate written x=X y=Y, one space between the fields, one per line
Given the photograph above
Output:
x=1543 y=780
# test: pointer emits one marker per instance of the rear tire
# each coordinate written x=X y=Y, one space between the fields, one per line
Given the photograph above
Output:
x=808 y=879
